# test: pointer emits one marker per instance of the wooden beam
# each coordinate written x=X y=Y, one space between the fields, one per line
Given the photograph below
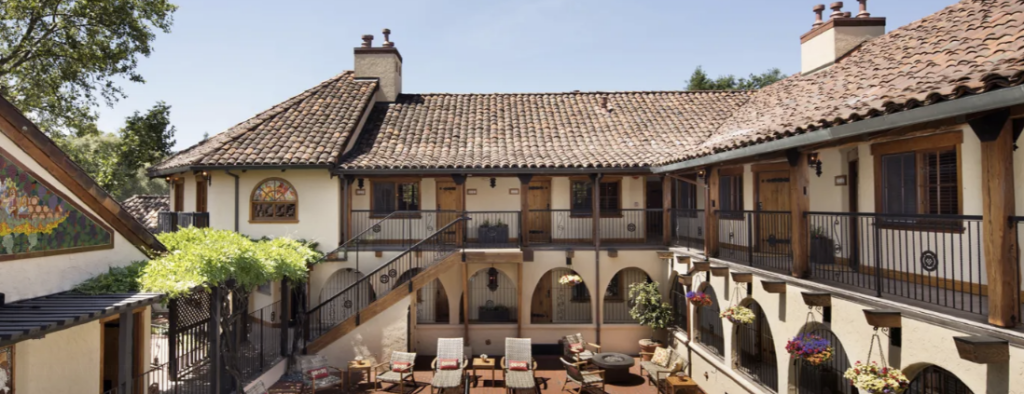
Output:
x=124 y=351
x=524 y=209
x=710 y=217
x=996 y=135
x=519 y=299
x=465 y=301
x=666 y=206
x=494 y=257
x=412 y=320
x=683 y=179
x=799 y=204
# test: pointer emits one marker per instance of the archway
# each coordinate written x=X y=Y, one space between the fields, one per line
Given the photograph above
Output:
x=709 y=324
x=826 y=378
x=406 y=277
x=432 y=304
x=492 y=298
x=755 y=349
x=341 y=280
x=553 y=302
x=936 y=380
x=616 y=294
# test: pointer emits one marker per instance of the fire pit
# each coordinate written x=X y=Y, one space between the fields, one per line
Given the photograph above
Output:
x=615 y=365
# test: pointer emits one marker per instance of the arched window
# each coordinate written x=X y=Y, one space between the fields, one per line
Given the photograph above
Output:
x=756 y=350
x=616 y=295
x=274 y=200
x=827 y=377
x=709 y=324
x=432 y=304
x=554 y=302
x=492 y=297
x=935 y=380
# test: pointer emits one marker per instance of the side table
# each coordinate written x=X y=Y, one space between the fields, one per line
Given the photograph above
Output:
x=285 y=388
x=674 y=383
x=358 y=368
x=479 y=363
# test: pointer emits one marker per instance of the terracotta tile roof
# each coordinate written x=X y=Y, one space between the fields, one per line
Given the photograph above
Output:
x=968 y=48
x=308 y=129
x=552 y=130
x=145 y=208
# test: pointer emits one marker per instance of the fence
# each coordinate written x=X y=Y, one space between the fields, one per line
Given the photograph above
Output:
x=561 y=227
x=760 y=239
x=633 y=226
x=688 y=228
x=261 y=341
x=159 y=381
x=936 y=259
x=493 y=229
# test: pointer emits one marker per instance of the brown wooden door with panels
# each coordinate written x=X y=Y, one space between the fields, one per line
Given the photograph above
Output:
x=449 y=207
x=772 y=231
x=539 y=199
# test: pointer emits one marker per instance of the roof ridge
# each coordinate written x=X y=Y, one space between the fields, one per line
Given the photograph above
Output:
x=595 y=92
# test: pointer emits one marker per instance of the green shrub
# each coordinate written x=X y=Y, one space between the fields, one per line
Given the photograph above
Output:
x=115 y=280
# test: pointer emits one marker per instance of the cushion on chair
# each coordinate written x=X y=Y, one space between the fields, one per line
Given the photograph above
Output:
x=319 y=373
x=590 y=378
x=519 y=365
x=654 y=369
x=520 y=380
x=661 y=357
x=391 y=377
x=576 y=347
x=446 y=379
x=448 y=364
x=400 y=366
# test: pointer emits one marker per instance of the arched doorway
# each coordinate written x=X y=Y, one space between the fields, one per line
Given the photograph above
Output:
x=936 y=380
x=492 y=298
x=338 y=281
x=616 y=294
x=826 y=378
x=755 y=349
x=432 y=304
x=709 y=324
x=553 y=302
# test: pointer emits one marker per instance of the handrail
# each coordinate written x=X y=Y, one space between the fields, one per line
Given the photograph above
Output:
x=386 y=265
x=749 y=211
x=898 y=215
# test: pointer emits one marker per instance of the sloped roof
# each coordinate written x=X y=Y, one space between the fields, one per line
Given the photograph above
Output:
x=549 y=130
x=309 y=129
x=146 y=208
x=968 y=48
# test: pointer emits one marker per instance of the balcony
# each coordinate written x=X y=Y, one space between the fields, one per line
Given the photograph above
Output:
x=623 y=227
x=168 y=221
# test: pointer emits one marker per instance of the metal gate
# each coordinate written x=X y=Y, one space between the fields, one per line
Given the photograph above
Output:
x=709 y=324
x=188 y=338
x=756 y=349
x=935 y=380
x=826 y=378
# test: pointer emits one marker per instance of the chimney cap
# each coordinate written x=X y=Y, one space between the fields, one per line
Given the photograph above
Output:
x=837 y=9
x=367 y=40
x=863 y=9
x=847 y=14
x=387 y=39
x=818 y=9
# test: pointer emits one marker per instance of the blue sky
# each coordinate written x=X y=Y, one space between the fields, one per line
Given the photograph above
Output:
x=225 y=61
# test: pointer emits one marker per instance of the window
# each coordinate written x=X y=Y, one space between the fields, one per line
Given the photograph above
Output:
x=730 y=194
x=580 y=293
x=389 y=196
x=919 y=176
x=274 y=200
x=685 y=196
x=582 y=192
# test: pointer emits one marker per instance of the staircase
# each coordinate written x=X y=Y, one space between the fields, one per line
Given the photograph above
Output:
x=379 y=290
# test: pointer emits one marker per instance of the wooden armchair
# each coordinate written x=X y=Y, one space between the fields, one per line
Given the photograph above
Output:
x=397 y=371
x=583 y=379
x=575 y=348
x=660 y=368
x=317 y=374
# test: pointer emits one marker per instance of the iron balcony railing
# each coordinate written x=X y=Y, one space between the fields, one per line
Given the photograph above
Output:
x=633 y=226
x=260 y=347
x=493 y=229
x=168 y=221
x=1016 y=222
x=756 y=238
x=688 y=228
x=400 y=229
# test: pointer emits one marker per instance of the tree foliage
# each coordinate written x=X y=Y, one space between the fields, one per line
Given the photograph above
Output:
x=648 y=308
x=700 y=80
x=58 y=57
x=118 y=161
x=208 y=257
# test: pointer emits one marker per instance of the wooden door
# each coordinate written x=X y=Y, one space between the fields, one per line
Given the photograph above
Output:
x=179 y=194
x=539 y=199
x=541 y=310
x=201 y=193
x=773 y=230
x=449 y=207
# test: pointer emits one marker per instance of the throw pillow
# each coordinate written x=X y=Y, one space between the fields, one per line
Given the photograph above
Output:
x=448 y=364
x=519 y=366
x=576 y=347
x=660 y=357
x=400 y=366
x=675 y=366
x=319 y=373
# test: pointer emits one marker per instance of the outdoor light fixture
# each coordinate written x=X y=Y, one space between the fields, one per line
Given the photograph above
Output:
x=360 y=182
x=701 y=173
x=493 y=183
x=209 y=179
x=814 y=162
x=492 y=279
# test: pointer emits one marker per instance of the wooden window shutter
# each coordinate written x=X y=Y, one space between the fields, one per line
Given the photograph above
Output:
x=899 y=184
x=941 y=186
x=383 y=197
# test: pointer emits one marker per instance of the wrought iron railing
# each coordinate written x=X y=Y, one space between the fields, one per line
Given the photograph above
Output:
x=168 y=221
x=756 y=350
x=709 y=325
x=159 y=381
x=493 y=229
x=633 y=226
x=688 y=228
x=756 y=238
x=560 y=227
x=935 y=259
x=400 y=229
x=261 y=341
x=396 y=272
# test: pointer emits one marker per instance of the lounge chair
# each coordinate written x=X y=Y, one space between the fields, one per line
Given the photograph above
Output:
x=583 y=379
x=575 y=348
x=318 y=374
x=519 y=365
x=449 y=367
x=399 y=370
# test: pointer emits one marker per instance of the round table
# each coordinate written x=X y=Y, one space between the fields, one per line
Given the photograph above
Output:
x=615 y=365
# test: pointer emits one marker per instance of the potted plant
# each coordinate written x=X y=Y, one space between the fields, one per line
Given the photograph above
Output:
x=649 y=310
x=570 y=280
x=823 y=248
x=698 y=299
x=496 y=313
x=738 y=315
x=876 y=379
x=493 y=233
x=811 y=348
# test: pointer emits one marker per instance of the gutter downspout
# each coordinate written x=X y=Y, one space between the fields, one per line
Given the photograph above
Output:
x=596 y=216
x=236 y=196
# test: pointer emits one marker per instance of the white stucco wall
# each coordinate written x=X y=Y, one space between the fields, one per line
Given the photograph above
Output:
x=63 y=362
x=374 y=339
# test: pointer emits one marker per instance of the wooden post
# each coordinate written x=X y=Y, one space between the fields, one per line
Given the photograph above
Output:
x=710 y=216
x=524 y=209
x=465 y=300
x=413 y=317
x=213 y=330
x=595 y=180
x=519 y=300
x=126 y=327
x=995 y=130
x=666 y=206
x=799 y=204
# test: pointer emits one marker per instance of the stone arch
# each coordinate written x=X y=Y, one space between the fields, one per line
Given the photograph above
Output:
x=491 y=301
x=616 y=294
x=432 y=304
x=341 y=280
x=708 y=325
x=826 y=378
x=561 y=304
x=928 y=378
x=753 y=348
x=406 y=277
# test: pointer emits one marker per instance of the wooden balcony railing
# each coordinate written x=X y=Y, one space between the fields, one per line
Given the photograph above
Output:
x=168 y=221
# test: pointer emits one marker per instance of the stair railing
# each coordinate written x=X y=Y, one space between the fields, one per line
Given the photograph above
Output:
x=396 y=272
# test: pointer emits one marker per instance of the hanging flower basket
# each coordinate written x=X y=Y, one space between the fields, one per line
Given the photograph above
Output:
x=738 y=315
x=810 y=348
x=876 y=379
x=699 y=299
x=570 y=280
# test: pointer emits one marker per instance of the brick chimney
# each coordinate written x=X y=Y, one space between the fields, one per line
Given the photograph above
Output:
x=383 y=62
x=828 y=41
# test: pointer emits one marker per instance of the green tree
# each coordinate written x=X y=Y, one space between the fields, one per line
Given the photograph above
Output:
x=118 y=161
x=58 y=57
x=700 y=80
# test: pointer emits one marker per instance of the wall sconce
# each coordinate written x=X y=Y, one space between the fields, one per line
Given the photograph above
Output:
x=814 y=162
x=493 y=183
x=701 y=173
x=209 y=179
x=168 y=179
x=492 y=279
x=360 y=182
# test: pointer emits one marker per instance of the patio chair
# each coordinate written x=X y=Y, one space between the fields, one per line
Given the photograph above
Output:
x=664 y=362
x=575 y=348
x=399 y=370
x=519 y=365
x=449 y=367
x=583 y=379
x=318 y=374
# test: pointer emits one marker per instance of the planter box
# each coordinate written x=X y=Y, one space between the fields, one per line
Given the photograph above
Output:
x=823 y=251
x=983 y=350
x=742 y=277
x=720 y=271
x=702 y=266
x=686 y=280
x=493 y=235
x=774 y=287
x=817 y=299
x=883 y=318
x=488 y=315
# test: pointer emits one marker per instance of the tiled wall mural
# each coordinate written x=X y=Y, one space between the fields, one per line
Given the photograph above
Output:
x=36 y=220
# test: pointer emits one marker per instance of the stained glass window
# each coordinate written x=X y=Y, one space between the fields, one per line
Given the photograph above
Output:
x=274 y=199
